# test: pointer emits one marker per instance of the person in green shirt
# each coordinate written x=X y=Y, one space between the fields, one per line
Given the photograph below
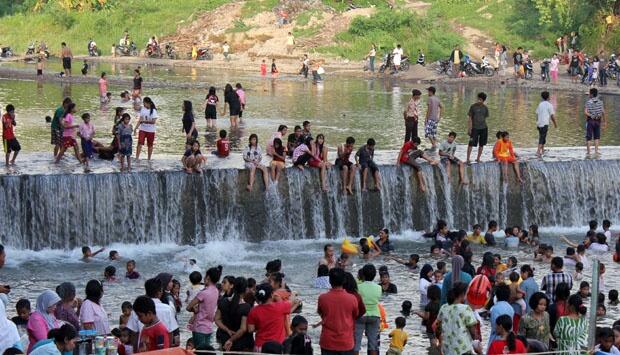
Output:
x=57 y=127
x=370 y=322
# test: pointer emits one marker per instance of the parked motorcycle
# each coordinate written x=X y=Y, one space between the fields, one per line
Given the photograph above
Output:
x=170 y=51
x=388 y=62
x=528 y=69
x=473 y=68
x=6 y=52
x=421 y=59
x=93 y=51
x=204 y=54
x=544 y=70
x=127 y=51
x=153 y=51
x=444 y=67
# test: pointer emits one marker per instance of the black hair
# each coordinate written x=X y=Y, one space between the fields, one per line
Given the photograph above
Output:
x=188 y=108
x=277 y=142
x=594 y=92
x=432 y=89
x=350 y=140
x=228 y=89
x=406 y=308
x=604 y=333
x=369 y=272
x=535 y=299
x=223 y=133
x=441 y=224
x=435 y=246
x=433 y=293
x=416 y=92
x=482 y=96
x=10 y=108
x=416 y=140
x=251 y=282
x=415 y=257
x=126 y=305
x=112 y=253
x=514 y=276
x=109 y=270
x=505 y=322
x=601 y=298
x=527 y=268
x=371 y=142
x=498 y=134
x=557 y=262
x=337 y=276
x=153 y=287
x=85 y=249
x=282 y=127
x=131 y=262
x=492 y=224
x=579 y=266
x=151 y=103
x=297 y=127
x=570 y=251
x=322 y=271
x=562 y=292
x=12 y=351
x=440 y=265
x=401 y=322
x=144 y=305
x=25 y=304
x=584 y=284
x=576 y=302
x=305 y=123
x=452 y=134
x=195 y=277
x=593 y=224
x=606 y=223
x=214 y=274
x=350 y=284
x=253 y=135
x=601 y=238
x=545 y=95
x=613 y=295
x=211 y=90
x=502 y=292
x=238 y=86
x=240 y=285
x=458 y=289
x=263 y=293
x=94 y=291
x=62 y=334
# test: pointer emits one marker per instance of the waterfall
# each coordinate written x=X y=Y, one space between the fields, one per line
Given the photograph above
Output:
x=64 y=211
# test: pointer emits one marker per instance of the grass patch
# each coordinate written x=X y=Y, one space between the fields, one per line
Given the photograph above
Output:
x=510 y=22
x=142 y=18
x=386 y=28
x=238 y=26
x=305 y=32
x=342 y=5
x=252 y=8
x=304 y=18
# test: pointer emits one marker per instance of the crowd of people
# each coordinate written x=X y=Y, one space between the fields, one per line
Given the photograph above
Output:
x=235 y=313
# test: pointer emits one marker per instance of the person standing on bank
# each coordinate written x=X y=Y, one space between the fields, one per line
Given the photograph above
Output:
x=412 y=114
x=67 y=56
x=477 y=127
x=371 y=58
x=544 y=113
x=455 y=59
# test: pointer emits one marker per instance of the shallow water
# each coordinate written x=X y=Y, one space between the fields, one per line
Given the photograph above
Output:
x=30 y=272
x=338 y=107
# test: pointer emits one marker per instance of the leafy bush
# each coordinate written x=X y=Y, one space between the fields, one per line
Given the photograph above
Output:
x=387 y=28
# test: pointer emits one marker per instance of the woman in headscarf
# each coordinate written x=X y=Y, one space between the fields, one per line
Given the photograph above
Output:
x=454 y=276
x=65 y=309
x=42 y=320
x=426 y=279
x=9 y=337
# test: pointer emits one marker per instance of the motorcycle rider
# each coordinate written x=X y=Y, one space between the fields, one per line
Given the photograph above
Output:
x=92 y=47
x=124 y=42
x=152 y=46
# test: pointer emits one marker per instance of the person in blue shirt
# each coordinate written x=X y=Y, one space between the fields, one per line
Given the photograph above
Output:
x=501 y=307
x=528 y=285
x=454 y=276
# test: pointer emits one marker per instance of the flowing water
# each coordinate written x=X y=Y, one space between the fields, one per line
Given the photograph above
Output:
x=163 y=217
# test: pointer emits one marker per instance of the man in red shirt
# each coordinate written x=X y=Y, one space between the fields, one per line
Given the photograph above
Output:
x=338 y=310
x=9 y=141
x=154 y=335
x=408 y=155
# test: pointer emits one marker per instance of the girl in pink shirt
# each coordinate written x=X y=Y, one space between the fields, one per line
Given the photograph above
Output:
x=103 y=88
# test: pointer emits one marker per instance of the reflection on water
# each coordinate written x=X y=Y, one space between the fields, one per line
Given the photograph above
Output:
x=338 y=107
x=28 y=273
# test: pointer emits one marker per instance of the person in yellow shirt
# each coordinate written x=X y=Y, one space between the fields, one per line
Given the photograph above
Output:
x=499 y=265
x=194 y=51
x=398 y=337
x=476 y=237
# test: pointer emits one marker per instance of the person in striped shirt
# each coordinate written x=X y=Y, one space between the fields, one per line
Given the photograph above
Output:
x=595 y=119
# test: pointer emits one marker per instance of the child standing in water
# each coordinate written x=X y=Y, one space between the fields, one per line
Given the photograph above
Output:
x=103 y=88
x=263 y=68
x=211 y=108
x=505 y=154
x=8 y=136
x=86 y=131
x=68 y=134
x=124 y=138
x=241 y=93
